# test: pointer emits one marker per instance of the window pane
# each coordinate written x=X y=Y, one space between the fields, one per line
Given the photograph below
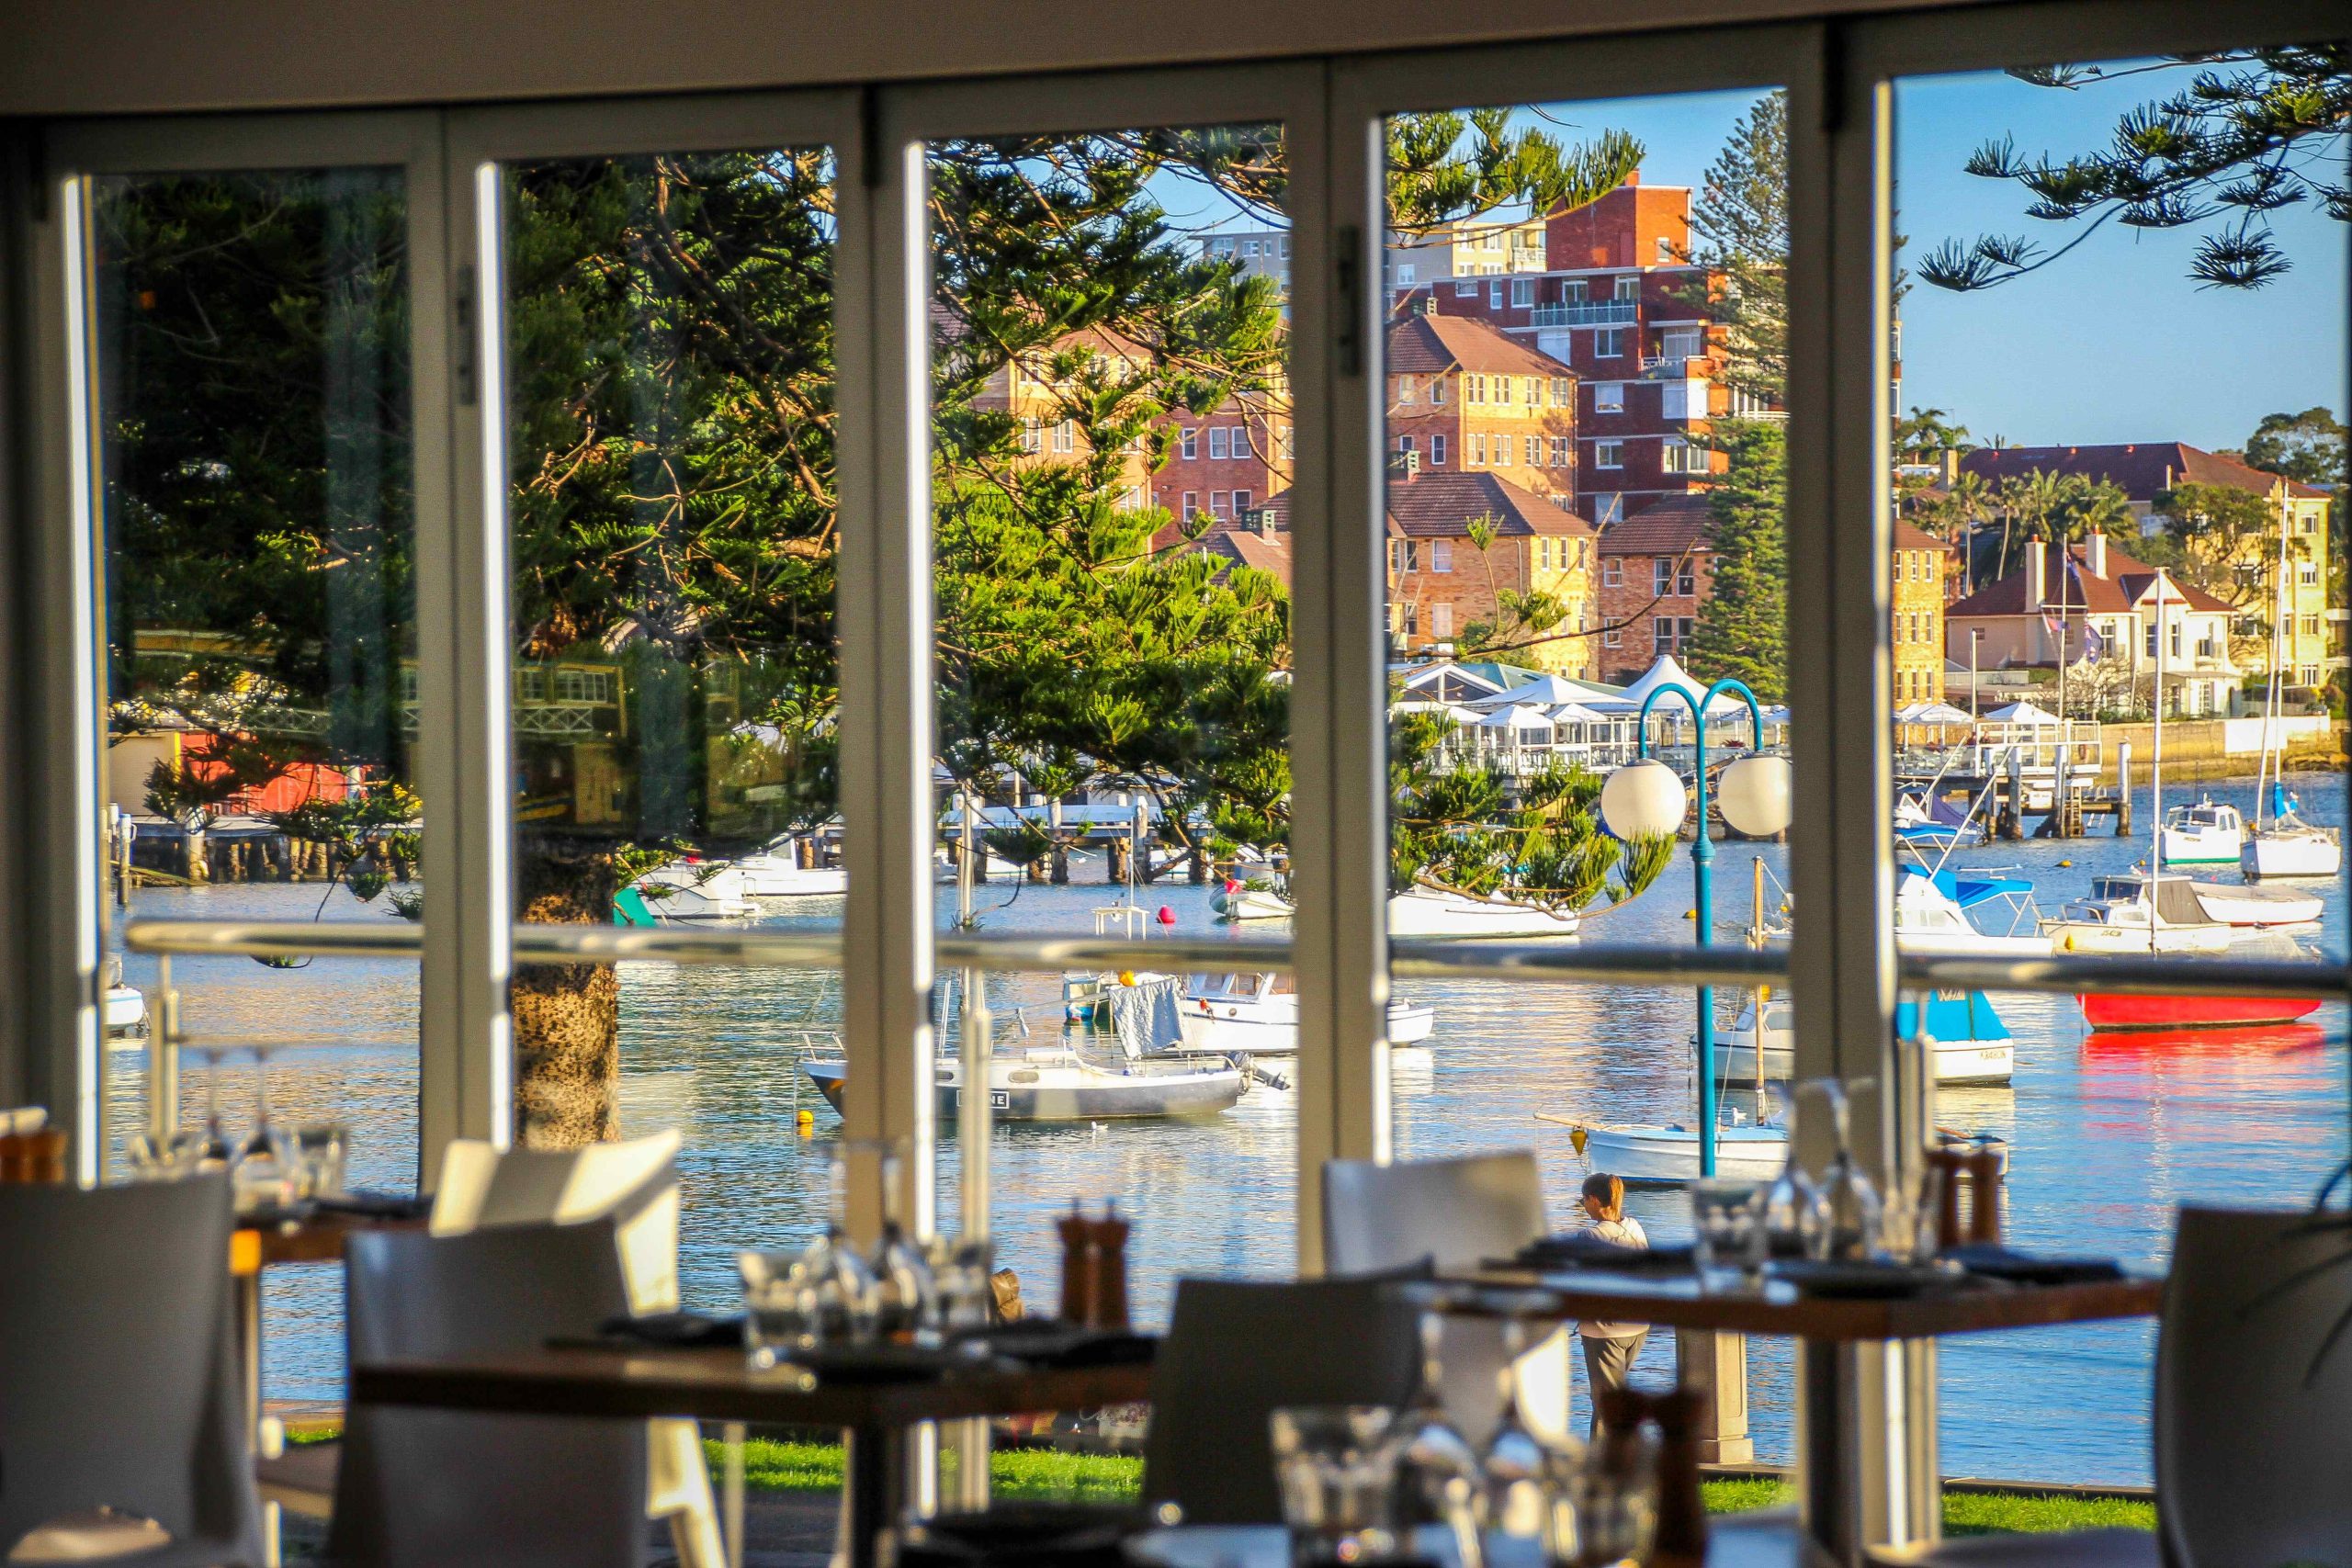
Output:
x=2099 y=525
x=254 y=431
x=1609 y=527
x=1112 y=646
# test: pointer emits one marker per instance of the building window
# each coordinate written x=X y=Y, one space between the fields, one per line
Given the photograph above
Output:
x=1662 y=576
x=1405 y=273
x=1190 y=444
x=1683 y=342
x=1410 y=620
x=1437 y=451
x=1608 y=507
x=531 y=685
x=1662 y=634
x=1573 y=292
x=1240 y=434
x=1560 y=456
x=1612 y=638
x=1403 y=444
x=1442 y=555
x=2309 y=675
x=1466 y=287
x=1628 y=287
x=2311 y=625
x=1191 y=504
x=1065 y=436
x=1217 y=503
x=1563 y=391
x=1217 y=441
x=1609 y=454
x=1473 y=389
x=1494 y=296
x=2307 y=574
x=1609 y=397
x=1437 y=389
x=1403 y=389
x=1441 y=620
x=1608 y=343
x=1502 y=451
x=1686 y=578
x=1032 y=435
x=1522 y=291
x=2307 y=524
x=1679 y=456
x=1240 y=503
x=1477 y=454
x=1534 y=453
x=1613 y=571
x=583 y=686
x=1503 y=388
x=1666 y=257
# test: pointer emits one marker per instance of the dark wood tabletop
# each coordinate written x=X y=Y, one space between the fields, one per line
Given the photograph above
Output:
x=1676 y=1302
x=314 y=1238
x=721 y=1385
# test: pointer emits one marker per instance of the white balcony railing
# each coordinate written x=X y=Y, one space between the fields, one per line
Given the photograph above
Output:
x=1590 y=313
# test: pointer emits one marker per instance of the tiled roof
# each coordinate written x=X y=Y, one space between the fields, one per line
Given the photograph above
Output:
x=2126 y=582
x=1431 y=345
x=1439 y=503
x=1910 y=538
x=1241 y=541
x=2144 y=470
x=1666 y=528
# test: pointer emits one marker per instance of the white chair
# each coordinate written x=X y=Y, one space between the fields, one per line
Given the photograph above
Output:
x=1454 y=1213
x=635 y=1184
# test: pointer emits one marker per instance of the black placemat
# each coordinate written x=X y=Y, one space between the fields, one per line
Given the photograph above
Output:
x=1996 y=1262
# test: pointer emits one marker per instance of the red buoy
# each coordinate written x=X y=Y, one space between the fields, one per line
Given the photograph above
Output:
x=1167 y=916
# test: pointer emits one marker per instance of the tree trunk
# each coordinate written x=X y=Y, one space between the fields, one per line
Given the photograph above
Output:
x=566 y=1016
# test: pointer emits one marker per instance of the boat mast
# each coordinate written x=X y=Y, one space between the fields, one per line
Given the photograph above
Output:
x=2157 y=762
x=2274 y=692
x=1764 y=991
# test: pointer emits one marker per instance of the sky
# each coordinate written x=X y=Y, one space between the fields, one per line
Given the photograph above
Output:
x=2112 y=342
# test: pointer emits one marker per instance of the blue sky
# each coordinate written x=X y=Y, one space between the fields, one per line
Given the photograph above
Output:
x=2113 y=342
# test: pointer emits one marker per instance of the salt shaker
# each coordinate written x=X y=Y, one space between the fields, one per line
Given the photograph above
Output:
x=1110 y=1302
x=1080 y=1263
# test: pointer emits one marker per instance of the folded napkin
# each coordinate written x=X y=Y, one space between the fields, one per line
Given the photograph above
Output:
x=1993 y=1261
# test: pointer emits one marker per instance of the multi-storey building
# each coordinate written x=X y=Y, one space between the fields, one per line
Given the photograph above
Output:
x=1259 y=252
x=2102 y=614
x=2146 y=470
x=1483 y=247
x=1458 y=541
x=1921 y=563
x=1464 y=398
x=1656 y=572
x=1619 y=306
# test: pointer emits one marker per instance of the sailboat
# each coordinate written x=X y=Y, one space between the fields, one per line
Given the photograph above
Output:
x=2280 y=843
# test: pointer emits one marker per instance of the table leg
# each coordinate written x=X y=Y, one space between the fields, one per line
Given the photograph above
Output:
x=1828 y=1469
x=870 y=1482
x=731 y=1497
x=245 y=1299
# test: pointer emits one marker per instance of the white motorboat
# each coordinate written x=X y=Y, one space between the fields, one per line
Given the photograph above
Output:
x=1439 y=912
x=1669 y=1155
x=1256 y=1014
x=777 y=873
x=1056 y=1084
x=1930 y=827
x=2282 y=844
x=1968 y=1041
x=2207 y=833
x=1249 y=901
x=124 y=1010
x=2269 y=907
x=696 y=890
x=2120 y=916
x=1940 y=914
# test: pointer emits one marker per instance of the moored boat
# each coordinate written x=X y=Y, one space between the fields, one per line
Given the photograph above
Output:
x=1256 y=1014
x=1667 y=1156
x=1440 y=912
x=1249 y=901
x=1968 y=1043
x=2134 y=912
x=777 y=873
x=2263 y=906
x=2114 y=1013
x=1056 y=1084
x=2207 y=833
x=696 y=890
x=1939 y=914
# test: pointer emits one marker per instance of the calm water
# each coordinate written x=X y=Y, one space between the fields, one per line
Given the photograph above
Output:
x=2108 y=1134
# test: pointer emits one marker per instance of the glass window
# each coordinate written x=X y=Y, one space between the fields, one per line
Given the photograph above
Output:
x=1608 y=343
x=1609 y=454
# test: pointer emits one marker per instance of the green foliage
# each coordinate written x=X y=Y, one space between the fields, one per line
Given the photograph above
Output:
x=1456 y=824
x=1742 y=628
x=2307 y=446
x=1739 y=228
x=2219 y=533
x=1446 y=167
x=2254 y=132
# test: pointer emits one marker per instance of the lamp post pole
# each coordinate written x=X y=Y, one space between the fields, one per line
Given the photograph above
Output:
x=1702 y=856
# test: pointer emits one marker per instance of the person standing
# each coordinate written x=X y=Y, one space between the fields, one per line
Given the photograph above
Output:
x=1609 y=1348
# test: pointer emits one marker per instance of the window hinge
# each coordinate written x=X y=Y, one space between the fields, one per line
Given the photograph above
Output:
x=1347 y=298
x=462 y=337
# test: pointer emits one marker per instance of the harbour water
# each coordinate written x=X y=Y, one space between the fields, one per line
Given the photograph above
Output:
x=2107 y=1133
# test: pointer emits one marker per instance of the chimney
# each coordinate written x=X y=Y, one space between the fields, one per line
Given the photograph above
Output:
x=2094 y=554
x=1429 y=302
x=1404 y=466
x=2036 y=578
x=1266 y=523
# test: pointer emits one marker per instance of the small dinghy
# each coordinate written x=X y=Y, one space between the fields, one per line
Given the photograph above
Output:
x=1249 y=901
x=1669 y=1155
x=696 y=890
x=2265 y=907
x=1969 y=1044
x=1438 y=912
x=1056 y=1084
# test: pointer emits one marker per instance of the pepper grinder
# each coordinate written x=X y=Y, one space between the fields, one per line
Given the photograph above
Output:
x=1682 y=1539
x=1110 y=1259
x=1950 y=1162
x=1984 y=1164
x=1080 y=1265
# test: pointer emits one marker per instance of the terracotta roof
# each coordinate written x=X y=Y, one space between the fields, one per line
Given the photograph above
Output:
x=1909 y=537
x=2126 y=582
x=1666 y=528
x=2143 y=468
x=1439 y=503
x=1240 y=542
x=1430 y=345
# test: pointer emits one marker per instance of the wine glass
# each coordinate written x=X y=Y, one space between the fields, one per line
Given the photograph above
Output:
x=1849 y=1202
x=264 y=1174
x=1515 y=1460
x=910 y=1290
x=1439 y=1478
x=1791 y=1216
x=214 y=1152
x=850 y=1296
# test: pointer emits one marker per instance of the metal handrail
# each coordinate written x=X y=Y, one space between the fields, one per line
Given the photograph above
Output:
x=1548 y=963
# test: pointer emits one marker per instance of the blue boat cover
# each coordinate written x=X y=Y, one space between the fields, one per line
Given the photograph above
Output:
x=1976 y=890
x=1953 y=1015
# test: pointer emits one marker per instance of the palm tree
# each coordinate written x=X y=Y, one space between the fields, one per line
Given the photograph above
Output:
x=2028 y=503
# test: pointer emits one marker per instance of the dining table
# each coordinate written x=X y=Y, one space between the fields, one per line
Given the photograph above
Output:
x=1830 y=1323
x=875 y=1406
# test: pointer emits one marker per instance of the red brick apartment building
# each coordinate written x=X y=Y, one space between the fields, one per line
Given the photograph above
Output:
x=1615 y=304
x=1656 y=572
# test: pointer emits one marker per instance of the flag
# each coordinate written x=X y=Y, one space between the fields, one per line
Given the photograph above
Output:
x=2054 y=626
x=2094 y=645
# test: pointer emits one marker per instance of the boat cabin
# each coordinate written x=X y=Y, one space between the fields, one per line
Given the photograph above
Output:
x=2121 y=899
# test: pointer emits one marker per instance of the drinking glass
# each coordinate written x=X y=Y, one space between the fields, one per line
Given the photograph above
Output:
x=1514 y=1463
x=319 y=1150
x=168 y=1156
x=963 y=1274
x=1850 y=1201
x=908 y=1292
x=215 y=1151
x=1611 y=1502
x=783 y=1306
x=1791 y=1218
x=1336 y=1469
x=1908 y=1228
x=1438 y=1476
x=1727 y=1220
x=849 y=1297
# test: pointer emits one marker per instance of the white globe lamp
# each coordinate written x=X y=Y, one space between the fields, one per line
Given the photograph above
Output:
x=1753 y=796
x=1643 y=800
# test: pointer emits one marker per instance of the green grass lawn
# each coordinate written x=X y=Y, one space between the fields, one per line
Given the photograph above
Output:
x=1116 y=1478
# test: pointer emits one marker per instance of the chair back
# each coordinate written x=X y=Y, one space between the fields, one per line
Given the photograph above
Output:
x=635 y=1183
x=1235 y=1351
x=1454 y=1212
x=420 y=1486
x=119 y=1384
x=2253 y=1390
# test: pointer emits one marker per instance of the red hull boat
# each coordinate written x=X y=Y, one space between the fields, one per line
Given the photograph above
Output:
x=2113 y=1012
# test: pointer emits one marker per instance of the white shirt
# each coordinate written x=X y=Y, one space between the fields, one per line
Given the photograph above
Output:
x=1626 y=1232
